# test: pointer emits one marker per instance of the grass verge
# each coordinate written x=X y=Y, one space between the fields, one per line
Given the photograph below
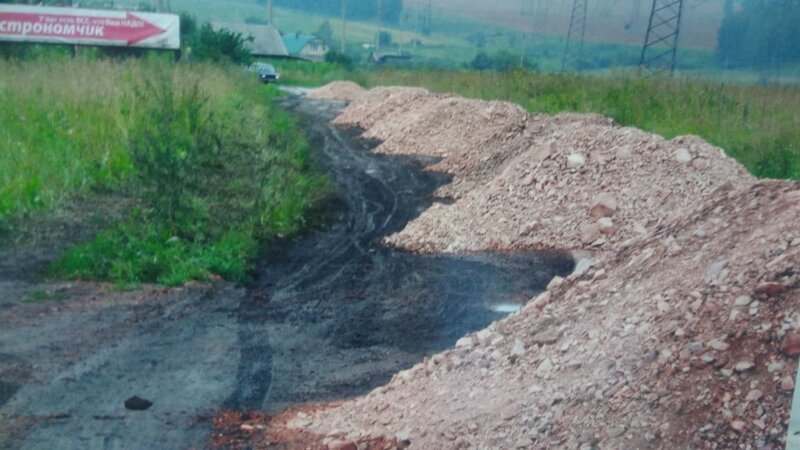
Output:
x=214 y=165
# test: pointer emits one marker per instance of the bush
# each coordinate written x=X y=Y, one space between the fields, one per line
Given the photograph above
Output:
x=215 y=167
x=220 y=46
x=341 y=59
x=501 y=62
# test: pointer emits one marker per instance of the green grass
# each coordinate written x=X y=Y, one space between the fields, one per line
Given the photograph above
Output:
x=62 y=132
x=215 y=165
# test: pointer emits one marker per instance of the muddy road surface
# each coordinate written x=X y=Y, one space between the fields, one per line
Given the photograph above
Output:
x=328 y=316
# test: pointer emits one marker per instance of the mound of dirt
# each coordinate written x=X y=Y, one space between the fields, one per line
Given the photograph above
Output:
x=345 y=91
x=682 y=331
x=382 y=103
x=689 y=338
x=578 y=184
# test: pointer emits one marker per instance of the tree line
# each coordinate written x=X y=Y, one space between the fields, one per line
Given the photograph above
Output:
x=760 y=34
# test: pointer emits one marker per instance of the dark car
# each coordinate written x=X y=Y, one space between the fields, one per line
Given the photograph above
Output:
x=266 y=72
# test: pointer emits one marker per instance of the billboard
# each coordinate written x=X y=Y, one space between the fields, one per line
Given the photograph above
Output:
x=36 y=24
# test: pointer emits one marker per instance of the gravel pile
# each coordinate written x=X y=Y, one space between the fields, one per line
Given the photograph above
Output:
x=690 y=337
x=382 y=103
x=681 y=331
x=345 y=91
x=577 y=184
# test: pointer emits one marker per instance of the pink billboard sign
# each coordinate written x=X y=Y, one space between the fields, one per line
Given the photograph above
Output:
x=36 y=24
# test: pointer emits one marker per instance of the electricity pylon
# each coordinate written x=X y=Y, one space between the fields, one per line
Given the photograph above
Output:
x=577 y=32
x=660 y=50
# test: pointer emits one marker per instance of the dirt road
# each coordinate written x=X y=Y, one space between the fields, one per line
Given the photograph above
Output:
x=328 y=316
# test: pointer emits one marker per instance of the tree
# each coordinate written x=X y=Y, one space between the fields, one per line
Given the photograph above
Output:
x=325 y=32
x=762 y=34
x=385 y=38
x=220 y=46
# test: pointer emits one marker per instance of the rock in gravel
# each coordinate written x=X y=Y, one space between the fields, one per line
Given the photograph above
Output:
x=683 y=156
x=518 y=349
x=604 y=205
x=738 y=425
x=546 y=337
x=545 y=367
x=136 y=403
x=718 y=345
x=542 y=300
x=769 y=289
x=715 y=271
x=465 y=342
x=754 y=395
x=790 y=345
x=606 y=225
x=590 y=232
x=615 y=432
x=554 y=283
x=575 y=160
x=744 y=365
x=582 y=266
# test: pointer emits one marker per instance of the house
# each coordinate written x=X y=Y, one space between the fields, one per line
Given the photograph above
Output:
x=266 y=40
x=306 y=46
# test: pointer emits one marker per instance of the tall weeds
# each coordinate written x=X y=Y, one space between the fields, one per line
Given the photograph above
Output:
x=215 y=165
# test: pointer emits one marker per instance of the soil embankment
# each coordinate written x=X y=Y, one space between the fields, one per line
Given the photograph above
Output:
x=681 y=331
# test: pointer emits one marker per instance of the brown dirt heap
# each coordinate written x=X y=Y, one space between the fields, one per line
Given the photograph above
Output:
x=689 y=337
x=345 y=91
x=682 y=330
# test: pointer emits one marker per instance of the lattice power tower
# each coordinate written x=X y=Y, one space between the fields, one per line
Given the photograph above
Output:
x=660 y=49
x=577 y=32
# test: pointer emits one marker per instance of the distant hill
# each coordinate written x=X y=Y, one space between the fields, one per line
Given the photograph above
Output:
x=609 y=20
x=356 y=9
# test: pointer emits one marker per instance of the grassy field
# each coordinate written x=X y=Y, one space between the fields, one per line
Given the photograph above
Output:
x=214 y=164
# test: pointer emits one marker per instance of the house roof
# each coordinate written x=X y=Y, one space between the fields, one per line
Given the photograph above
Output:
x=295 y=42
x=266 y=38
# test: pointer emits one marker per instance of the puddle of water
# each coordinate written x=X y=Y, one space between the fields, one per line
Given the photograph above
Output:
x=505 y=308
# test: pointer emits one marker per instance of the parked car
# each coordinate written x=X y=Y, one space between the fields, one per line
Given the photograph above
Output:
x=266 y=72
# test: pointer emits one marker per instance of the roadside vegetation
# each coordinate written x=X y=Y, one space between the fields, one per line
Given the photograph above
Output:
x=213 y=165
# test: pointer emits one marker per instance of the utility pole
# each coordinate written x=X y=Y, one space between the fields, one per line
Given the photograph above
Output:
x=344 y=26
x=577 y=31
x=663 y=30
x=74 y=49
x=271 y=16
x=378 y=34
x=416 y=28
x=429 y=17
